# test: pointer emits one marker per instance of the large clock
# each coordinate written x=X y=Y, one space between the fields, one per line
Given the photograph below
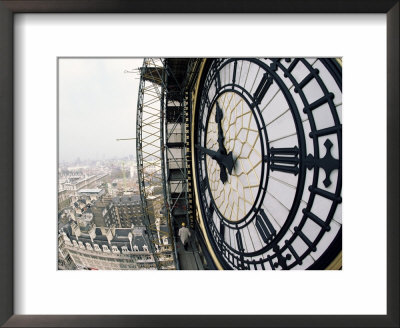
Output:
x=266 y=152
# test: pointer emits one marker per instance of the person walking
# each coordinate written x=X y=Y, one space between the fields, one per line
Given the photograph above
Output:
x=184 y=234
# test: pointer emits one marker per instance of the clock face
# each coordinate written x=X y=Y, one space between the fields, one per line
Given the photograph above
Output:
x=267 y=158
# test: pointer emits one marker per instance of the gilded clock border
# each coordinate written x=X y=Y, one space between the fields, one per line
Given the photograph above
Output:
x=201 y=221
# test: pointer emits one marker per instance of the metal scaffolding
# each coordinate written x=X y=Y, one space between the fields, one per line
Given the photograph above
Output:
x=163 y=151
x=151 y=163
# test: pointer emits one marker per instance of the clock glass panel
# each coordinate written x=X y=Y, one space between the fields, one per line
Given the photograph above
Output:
x=267 y=161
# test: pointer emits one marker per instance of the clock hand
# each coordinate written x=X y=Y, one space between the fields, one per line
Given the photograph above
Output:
x=224 y=161
x=222 y=173
x=212 y=153
x=218 y=119
x=228 y=162
x=219 y=114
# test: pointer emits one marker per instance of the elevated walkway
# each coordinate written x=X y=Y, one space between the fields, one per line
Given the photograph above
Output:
x=190 y=259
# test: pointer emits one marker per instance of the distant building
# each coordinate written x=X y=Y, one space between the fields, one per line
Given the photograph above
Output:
x=64 y=199
x=86 y=246
x=91 y=193
x=104 y=214
x=128 y=210
x=65 y=261
x=77 y=182
x=72 y=187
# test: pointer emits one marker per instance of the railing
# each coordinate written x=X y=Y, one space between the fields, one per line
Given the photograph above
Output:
x=175 y=163
x=175 y=137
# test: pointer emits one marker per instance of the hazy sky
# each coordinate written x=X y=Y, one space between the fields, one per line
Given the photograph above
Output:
x=97 y=105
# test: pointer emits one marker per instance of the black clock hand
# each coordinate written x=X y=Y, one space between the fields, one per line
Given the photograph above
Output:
x=218 y=119
x=212 y=153
x=219 y=114
x=218 y=157
x=222 y=173
x=224 y=161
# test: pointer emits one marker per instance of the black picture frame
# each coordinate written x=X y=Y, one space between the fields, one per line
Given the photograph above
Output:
x=8 y=201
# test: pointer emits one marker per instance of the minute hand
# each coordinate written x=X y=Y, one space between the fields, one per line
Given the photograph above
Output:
x=222 y=159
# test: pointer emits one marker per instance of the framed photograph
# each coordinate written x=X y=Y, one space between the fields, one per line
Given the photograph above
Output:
x=75 y=73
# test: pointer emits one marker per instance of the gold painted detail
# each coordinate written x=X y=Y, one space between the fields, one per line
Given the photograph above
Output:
x=235 y=197
x=197 y=199
x=336 y=263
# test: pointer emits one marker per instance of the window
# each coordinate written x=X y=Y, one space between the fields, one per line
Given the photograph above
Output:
x=124 y=249
x=97 y=248
x=105 y=249
x=115 y=250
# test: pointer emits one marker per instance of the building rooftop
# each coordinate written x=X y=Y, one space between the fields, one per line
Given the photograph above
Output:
x=126 y=199
x=90 y=191
x=119 y=240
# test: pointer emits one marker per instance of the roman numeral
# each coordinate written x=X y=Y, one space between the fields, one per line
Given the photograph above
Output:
x=222 y=231
x=239 y=242
x=265 y=227
x=234 y=72
x=210 y=212
x=284 y=159
x=218 y=81
x=262 y=88
x=241 y=265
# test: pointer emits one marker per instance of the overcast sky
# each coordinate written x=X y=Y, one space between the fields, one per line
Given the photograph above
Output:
x=97 y=105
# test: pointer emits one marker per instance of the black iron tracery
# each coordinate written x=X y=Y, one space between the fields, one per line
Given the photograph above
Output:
x=296 y=163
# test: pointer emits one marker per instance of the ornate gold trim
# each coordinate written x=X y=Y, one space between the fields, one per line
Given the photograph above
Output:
x=336 y=264
x=198 y=213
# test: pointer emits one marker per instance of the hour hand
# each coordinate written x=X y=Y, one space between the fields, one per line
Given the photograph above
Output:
x=218 y=119
x=224 y=161
x=219 y=114
x=213 y=154
x=222 y=173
